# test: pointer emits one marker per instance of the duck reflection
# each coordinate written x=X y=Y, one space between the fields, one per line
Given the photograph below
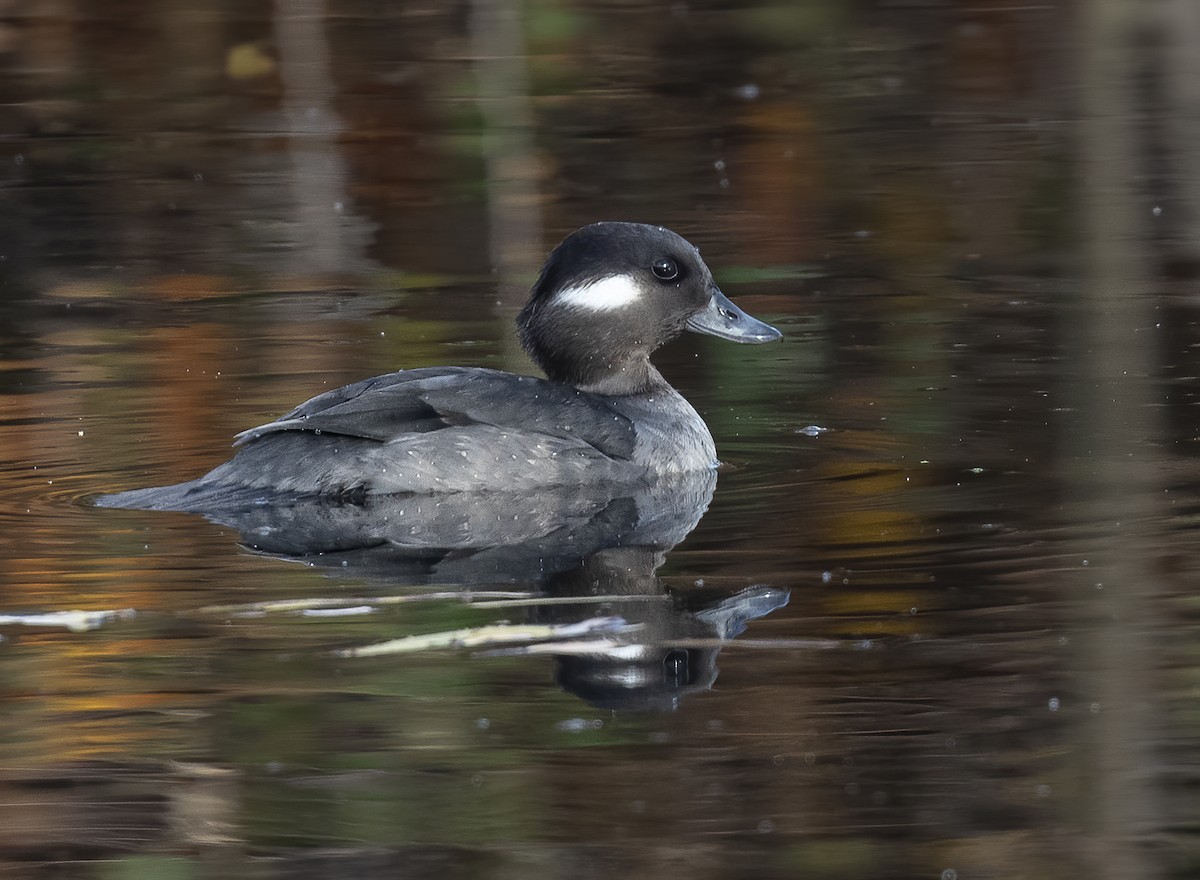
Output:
x=650 y=644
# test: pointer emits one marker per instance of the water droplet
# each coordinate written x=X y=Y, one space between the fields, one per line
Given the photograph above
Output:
x=578 y=725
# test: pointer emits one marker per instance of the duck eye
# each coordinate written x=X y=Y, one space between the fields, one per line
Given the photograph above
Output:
x=665 y=269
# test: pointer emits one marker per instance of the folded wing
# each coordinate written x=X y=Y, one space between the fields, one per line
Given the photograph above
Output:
x=398 y=405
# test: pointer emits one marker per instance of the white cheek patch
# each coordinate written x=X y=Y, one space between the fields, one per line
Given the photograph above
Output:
x=614 y=292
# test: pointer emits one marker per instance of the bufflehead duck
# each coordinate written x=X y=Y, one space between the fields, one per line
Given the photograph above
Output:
x=607 y=297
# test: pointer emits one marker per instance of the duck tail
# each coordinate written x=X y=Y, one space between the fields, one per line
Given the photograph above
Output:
x=194 y=496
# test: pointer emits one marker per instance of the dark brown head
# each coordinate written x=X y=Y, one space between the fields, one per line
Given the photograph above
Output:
x=611 y=293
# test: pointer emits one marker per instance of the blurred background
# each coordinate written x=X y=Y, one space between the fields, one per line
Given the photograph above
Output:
x=972 y=460
x=921 y=137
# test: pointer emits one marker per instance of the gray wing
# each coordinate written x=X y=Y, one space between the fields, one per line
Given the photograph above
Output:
x=424 y=400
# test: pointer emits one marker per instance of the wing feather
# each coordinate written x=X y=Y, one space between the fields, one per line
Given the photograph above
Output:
x=419 y=401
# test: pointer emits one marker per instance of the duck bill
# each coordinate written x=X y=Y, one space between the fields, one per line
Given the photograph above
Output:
x=722 y=318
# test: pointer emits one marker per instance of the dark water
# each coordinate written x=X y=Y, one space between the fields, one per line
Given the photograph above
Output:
x=937 y=618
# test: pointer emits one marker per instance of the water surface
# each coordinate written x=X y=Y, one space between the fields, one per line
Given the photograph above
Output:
x=935 y=618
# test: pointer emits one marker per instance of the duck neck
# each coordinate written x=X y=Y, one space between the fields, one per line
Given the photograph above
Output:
x=635 y=377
